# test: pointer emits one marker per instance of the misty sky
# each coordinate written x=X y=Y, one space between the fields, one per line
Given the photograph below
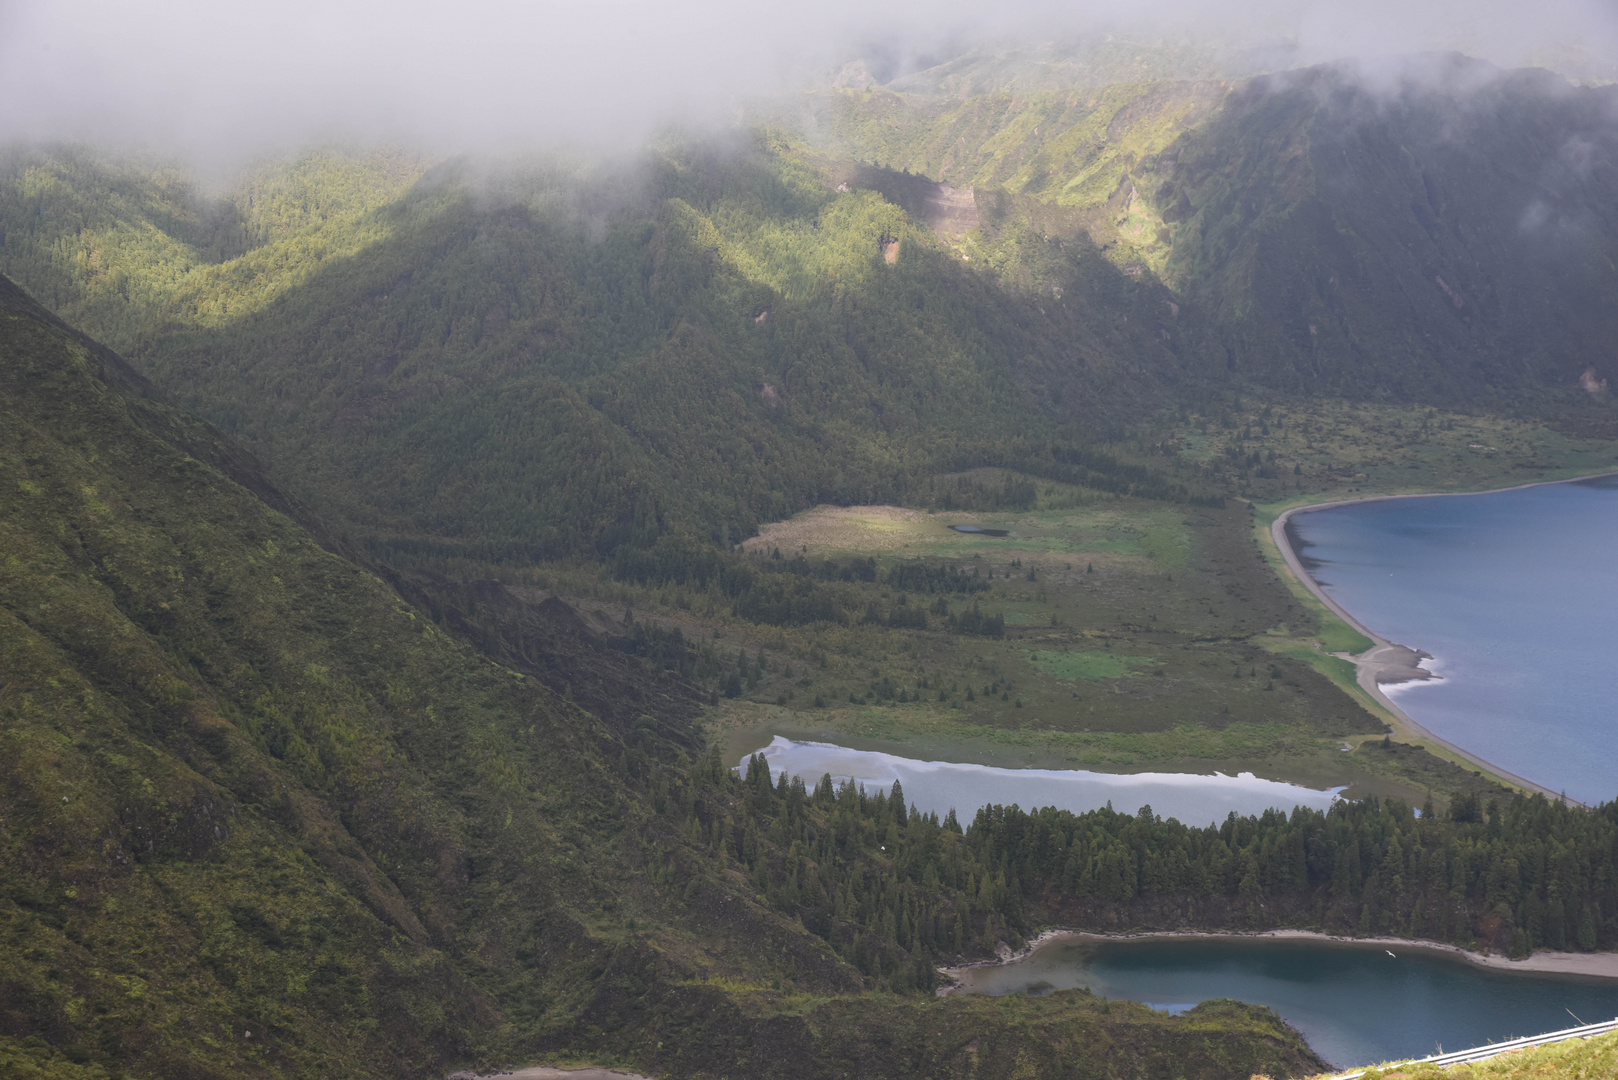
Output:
x=223 y=77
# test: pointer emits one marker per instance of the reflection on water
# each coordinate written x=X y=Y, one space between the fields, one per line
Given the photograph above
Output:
x=944 y=785
x=1356 y=1004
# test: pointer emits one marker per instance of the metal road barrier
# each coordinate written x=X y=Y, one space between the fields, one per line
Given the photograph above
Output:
x=1463 y=1057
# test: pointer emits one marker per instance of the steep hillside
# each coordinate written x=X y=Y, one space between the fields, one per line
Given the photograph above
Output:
x=245 y=786
x=1448 y=243
x=556 y=360
x=542 y=363
x=1440 y=232
x=259 y=816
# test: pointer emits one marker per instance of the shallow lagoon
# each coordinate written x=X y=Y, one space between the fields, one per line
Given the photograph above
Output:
x=1356 y=1004
x=1515 y=594
x=944 y=785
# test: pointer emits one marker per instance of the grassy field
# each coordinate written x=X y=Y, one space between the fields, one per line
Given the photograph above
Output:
x=1138 y=636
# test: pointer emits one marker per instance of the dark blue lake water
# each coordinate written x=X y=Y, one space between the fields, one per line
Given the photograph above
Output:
x=1355 y=1004
x=1515 y=594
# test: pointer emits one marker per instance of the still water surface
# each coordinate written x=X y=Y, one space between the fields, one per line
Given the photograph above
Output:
x=1515 y=594
x=944 y=785
x=1355 y=1004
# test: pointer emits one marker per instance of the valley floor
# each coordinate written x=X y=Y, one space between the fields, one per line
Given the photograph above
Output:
x=1137 y=637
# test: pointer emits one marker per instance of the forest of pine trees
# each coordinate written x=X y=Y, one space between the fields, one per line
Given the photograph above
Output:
x=896 y=891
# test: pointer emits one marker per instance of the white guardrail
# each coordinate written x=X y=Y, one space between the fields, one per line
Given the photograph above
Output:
x=1481 y=1053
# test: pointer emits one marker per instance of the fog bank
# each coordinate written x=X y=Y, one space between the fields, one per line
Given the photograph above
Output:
x=220 y=80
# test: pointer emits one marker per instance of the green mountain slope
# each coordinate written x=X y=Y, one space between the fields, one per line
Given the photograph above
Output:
x=553 y=360
x=218 y=820
x=1451 y=245
x=513 y=364
x=258 y=816
x=1440 y=233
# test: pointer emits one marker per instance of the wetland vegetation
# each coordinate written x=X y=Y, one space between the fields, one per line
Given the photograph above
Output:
x=1133 y=636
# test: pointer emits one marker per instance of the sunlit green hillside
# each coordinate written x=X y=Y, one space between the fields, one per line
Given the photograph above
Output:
x=557 y=358
x=518 y=364
x=1437 y=233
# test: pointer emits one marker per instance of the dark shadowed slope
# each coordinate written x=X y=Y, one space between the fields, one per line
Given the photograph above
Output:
x=259 y=816
x=1437 y=230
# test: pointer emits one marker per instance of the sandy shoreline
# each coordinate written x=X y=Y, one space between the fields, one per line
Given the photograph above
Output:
x=1591 y=965
x=1388 y=663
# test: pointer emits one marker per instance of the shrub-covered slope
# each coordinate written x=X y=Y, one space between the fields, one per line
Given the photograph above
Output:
x=546 y=359
x=1438 y=231
x=259 y=816
x=1439 y=243
x=524 y=365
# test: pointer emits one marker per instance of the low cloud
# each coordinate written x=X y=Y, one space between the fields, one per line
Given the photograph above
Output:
x=222 y=79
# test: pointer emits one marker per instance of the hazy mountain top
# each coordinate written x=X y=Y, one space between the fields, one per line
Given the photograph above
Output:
x=1084 y=63
x=884 y=285
x=507 y=76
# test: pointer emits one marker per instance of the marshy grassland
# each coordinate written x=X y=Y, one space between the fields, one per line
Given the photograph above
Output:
x=1137 y=634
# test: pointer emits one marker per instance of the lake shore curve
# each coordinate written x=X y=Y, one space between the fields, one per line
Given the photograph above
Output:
x=1603 y=965
x=1390 y=663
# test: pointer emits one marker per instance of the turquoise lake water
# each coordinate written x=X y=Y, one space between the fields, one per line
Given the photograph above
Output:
x=1355 y=1004
x=1515 y=594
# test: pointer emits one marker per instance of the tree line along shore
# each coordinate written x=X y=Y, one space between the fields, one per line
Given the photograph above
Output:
x=896 y=891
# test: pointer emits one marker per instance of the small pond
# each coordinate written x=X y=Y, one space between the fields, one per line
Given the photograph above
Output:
x=940 y=786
